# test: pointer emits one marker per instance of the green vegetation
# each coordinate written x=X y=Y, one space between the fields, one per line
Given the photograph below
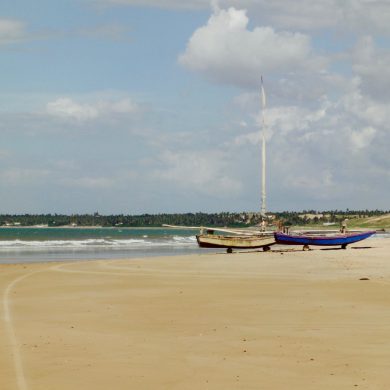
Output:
x=361 y=218
x=375 y=222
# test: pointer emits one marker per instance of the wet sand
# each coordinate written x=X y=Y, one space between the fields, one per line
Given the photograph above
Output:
x=275 y=320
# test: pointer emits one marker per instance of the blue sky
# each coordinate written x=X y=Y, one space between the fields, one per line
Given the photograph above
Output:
x=146 y=106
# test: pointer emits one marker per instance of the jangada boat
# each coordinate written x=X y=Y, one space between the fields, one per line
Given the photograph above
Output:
x=244 y=238
x=231 y=238
x=240 y=241
x=342 y=239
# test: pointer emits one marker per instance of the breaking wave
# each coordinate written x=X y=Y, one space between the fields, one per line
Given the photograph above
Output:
x=96 y=243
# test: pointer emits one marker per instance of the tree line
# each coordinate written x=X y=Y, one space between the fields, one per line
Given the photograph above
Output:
x=229 y=219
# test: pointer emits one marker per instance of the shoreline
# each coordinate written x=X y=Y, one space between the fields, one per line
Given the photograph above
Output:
x=273 y=320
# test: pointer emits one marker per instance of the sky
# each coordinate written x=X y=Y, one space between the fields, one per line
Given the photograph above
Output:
x=152 y=106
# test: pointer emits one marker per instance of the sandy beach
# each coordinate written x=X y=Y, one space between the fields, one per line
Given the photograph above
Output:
x=277 y=320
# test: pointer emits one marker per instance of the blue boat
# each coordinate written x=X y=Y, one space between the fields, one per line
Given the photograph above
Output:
x=342 y=239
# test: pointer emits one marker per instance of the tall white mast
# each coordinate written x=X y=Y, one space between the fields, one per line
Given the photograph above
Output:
x=263 y=196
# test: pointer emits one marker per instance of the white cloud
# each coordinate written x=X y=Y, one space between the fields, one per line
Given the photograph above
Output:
x=367 y=110
x=18 y=176
x=361 y=139
x=372 y=65
x=318 y=153
x=321 y=181
x=173 y=4
x=225 y=50
x=283 y=120
x=114 y=32
x=123 y=106
x=4 y=154
x=11 y=31
x=14 y=31
x=361 y=16
x=89 y=182
x=303 y=14
x=204 y=172
x=365 y=16
x=69 y=109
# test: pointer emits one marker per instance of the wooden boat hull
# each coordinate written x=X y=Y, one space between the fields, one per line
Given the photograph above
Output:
x=239 y=242
x=331 y=240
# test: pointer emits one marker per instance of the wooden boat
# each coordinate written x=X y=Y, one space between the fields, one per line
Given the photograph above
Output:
x=260 y=240
x=234 y=239
x=342 y=239
x=247 y=240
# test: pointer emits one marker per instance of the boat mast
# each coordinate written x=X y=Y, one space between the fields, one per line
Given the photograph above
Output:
x=263 y=196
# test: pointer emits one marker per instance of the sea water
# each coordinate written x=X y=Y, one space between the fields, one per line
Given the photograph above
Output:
x=33 y=244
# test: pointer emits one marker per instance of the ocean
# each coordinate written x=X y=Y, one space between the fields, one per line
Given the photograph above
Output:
x=35 y=244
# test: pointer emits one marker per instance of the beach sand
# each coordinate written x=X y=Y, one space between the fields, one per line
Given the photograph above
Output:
x=275 y=320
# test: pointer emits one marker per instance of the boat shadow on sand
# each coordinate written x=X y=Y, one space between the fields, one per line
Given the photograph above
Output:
x=338 y=249
x=297 y=250
x=322 y=249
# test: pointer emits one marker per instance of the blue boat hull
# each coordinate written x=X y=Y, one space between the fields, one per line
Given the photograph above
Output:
x=339 y=239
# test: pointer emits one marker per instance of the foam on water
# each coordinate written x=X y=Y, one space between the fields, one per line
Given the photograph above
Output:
x=96 y=242
x=31 y=244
